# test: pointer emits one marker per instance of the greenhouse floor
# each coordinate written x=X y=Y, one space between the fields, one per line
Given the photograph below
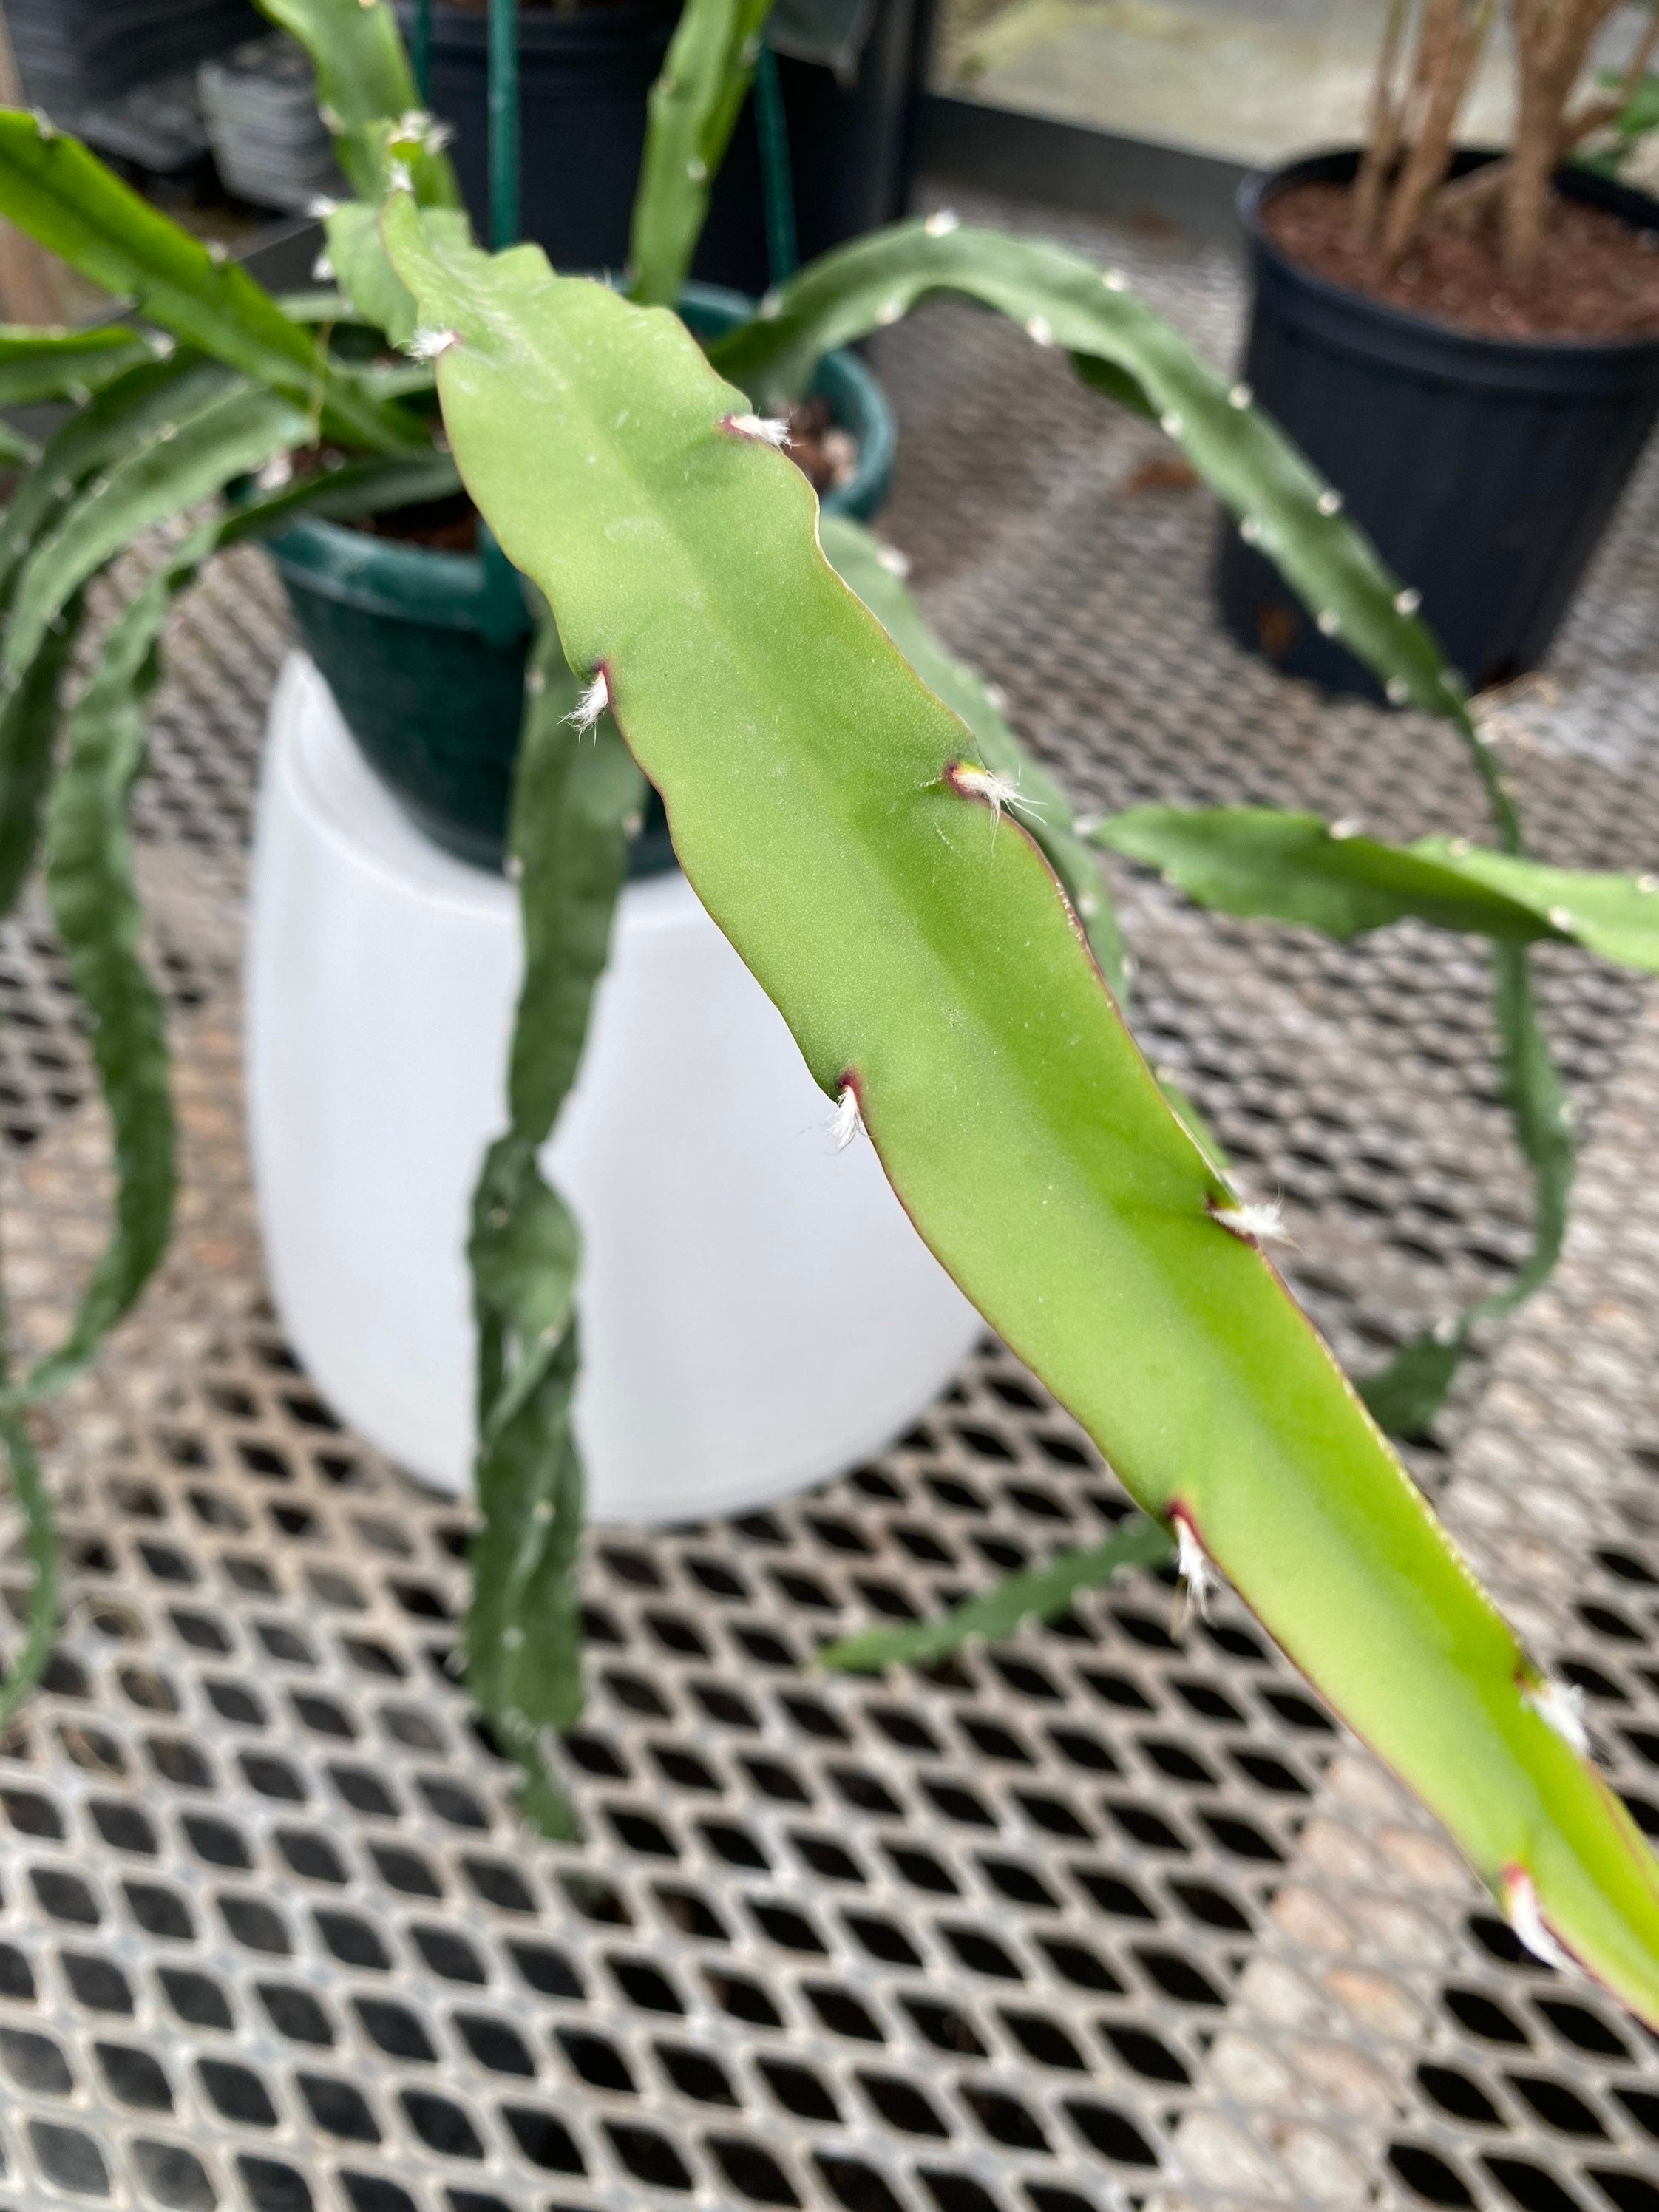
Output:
x=1109 y=1916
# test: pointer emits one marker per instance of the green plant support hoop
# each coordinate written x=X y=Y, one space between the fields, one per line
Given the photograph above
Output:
x=426 y=656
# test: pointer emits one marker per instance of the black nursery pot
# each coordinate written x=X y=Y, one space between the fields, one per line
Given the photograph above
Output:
x=1485 y=469
x=583 y=77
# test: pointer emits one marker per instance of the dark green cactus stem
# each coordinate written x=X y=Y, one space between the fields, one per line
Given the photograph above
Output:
x=94 y=905
x=42 y=1540
x=1038 y=1594
x=123 y=418
x=364 y=79
x=577 y=794
x=693 y=111
x=1259 y=862
x=38 y=365
x=65 y=198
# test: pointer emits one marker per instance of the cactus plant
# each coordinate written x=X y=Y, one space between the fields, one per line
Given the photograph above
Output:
x=857 y=816
x=934 y=977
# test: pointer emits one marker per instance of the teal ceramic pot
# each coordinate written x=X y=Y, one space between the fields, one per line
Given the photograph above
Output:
x=424 y=651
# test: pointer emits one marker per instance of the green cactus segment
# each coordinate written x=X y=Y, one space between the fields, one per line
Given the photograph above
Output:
x=1259 y=863
x=38 y=365
x=182 y=460
x=364 y=77
x=15 y=449
x=95 y=906
x=1406 y=1394
x=41 y=1542
x=575 y=797
x=359 y=263
x=94 y=901
x=870 y=570
x=925 y=961
x=64 y=197
x=1256 y=861
x=692 y=112
x=1041 y=1593
x=1064 y=301
x=1615 y=915
x=122 y=417
x=28 y=722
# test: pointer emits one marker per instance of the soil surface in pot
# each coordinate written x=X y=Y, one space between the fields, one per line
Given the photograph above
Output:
x=1596 y=279
x=825 y=454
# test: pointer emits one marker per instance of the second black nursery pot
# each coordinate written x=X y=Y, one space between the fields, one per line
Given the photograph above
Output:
x=584 y=73
x=1485 y=469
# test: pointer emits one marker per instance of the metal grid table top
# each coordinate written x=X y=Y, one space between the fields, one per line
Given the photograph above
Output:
x=1112 y=1915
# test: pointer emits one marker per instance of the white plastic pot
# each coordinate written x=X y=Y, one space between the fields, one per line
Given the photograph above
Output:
x=758 y=1312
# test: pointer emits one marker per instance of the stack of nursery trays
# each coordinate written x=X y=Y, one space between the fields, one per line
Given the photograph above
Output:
x=269 y=144
x=158 y=125
x=73 y=55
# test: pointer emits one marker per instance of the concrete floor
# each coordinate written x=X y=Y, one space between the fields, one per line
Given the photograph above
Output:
x=1252 y=80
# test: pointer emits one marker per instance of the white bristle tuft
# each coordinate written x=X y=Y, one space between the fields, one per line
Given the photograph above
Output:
x=896 y=563
x=592 y=702
x=764 y=430
x=942 y=222
x=846 y=1121
x=1199 y=1580
x=1526 y=1919
x=1560 y=1705
x=1253 y=1222
x=998 y=791
x=429 y=345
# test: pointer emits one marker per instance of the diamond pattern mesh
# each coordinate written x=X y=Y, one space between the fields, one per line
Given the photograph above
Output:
x=1110 y=1915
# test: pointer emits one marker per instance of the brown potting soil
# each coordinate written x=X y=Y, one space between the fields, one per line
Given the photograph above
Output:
x=1596 y=278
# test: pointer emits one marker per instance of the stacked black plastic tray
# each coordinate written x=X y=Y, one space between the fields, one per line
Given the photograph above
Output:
x=73 y=54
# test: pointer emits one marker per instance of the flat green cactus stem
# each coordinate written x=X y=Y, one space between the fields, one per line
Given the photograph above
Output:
x=94 y=905
x=1039 y=1594
x=694 y=108
x=872 y=570
x=364 y=82
x=1257 y=861
x=66 y=199
x=55 y=364
x=839 y=825
x=575 y=793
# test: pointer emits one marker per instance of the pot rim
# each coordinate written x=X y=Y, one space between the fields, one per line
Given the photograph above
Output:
x=389 y=576
x=467 y=30
x=1639 y=208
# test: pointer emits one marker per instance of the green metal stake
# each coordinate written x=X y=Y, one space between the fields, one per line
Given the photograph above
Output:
x=420 y=50
x=777 y=185
x=503 y=123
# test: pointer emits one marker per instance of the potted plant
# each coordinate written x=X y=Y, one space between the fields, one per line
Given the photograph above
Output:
x=822 y=151
x=913 y=896
x=1491 y=320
